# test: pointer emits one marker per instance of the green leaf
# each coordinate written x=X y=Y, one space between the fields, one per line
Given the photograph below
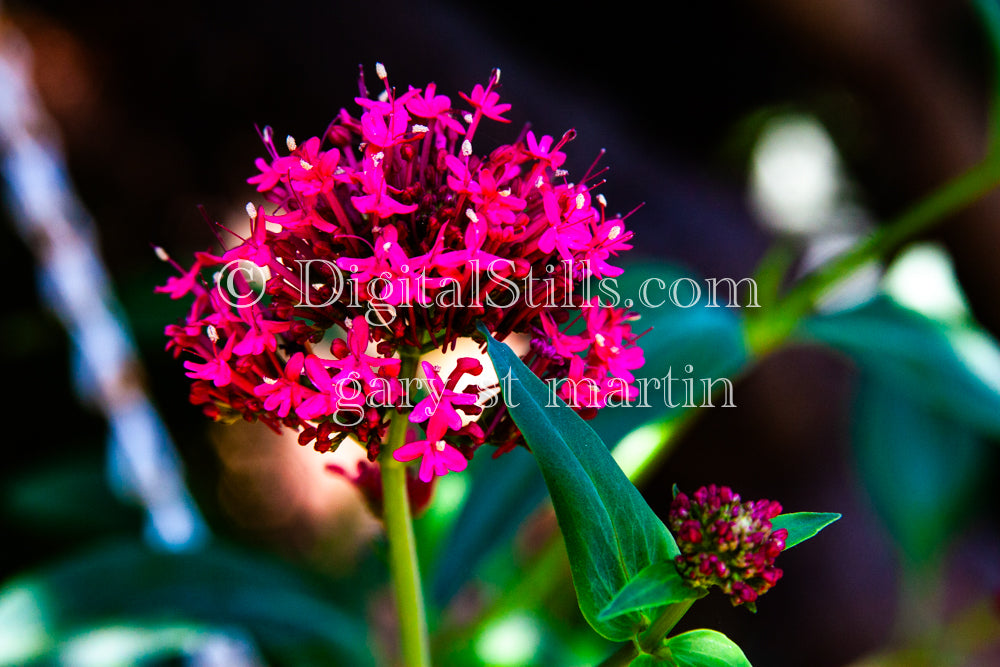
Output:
x=704 y=648
x=802 y=525
x=611 y=533
x=914 y=356
x=284 y=611
x=505 y=492
x=922 y=470
x=657 y=585
x=646 y=660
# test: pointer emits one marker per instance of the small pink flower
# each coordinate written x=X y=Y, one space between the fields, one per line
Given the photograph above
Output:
x=285 y=393
x=438 y=458
x=438 y=409
x=487 y=103
x=436 y=107
x=384 y=130
x=377 y=200
x=542 y=150
x=215 y=369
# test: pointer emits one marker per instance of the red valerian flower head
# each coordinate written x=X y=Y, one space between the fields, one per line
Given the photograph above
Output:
x=391 y=235
x=727 y=543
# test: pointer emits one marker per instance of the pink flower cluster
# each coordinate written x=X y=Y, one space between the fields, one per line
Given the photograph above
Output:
x=727 y=543
x=390 y=235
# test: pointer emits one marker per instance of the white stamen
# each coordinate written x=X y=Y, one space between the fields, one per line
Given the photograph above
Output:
x=439 y=445
x=377 y=158
x=251 y=210
x=505 y=192
x=380 y=71
x=268 y=380
x=496 y=75
x=615 y=232
x=305 y=165
x=290 y=142
x=615 y=349
x=600 y=339
x=540 y=182
x=602 y=200
x=420 y=129
x=161 y=254
x=471 y=215
x=580 y=201
x=560 y=173
x=265 y=271
x=213 y=335
x=268 y=134
x=216 y=277
x=466 y=148
x=383 y=96
x=386 y=246
x=467 y=117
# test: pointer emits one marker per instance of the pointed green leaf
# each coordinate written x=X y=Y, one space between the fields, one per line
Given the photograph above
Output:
x=802 y=525
x=657 y=585
x=704 y=648
x=610 y=532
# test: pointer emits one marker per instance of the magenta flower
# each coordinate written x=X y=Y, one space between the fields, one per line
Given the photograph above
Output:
x=485 y=100
x=216 y=370
x=437 y=457
x=285 y=393
x=543 y=150
x=392 y=235
x=434 y=107
x=438 y=409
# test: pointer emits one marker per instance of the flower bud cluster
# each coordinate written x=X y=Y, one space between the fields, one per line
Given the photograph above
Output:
x=727 y=543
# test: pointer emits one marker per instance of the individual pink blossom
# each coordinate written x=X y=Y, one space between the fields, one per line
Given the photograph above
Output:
x=286 y=392
x=542 y=150
x=437 y=457
x=431 y=106
x=486 y=101
x=215 y=369
x=438 y=409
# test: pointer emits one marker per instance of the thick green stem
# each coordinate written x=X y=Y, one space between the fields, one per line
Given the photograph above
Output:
x=414 y=643
x=650 y=640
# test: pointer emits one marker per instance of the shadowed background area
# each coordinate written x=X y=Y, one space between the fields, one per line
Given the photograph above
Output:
x=157 y=107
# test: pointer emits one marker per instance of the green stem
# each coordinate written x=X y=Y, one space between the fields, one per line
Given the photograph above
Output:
x=402 y=543
x=650 y=640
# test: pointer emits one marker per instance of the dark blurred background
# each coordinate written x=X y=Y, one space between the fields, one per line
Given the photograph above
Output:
x=157 y=106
